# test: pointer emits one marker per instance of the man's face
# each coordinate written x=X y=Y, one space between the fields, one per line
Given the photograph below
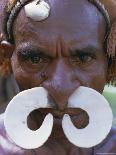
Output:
x=63 y=52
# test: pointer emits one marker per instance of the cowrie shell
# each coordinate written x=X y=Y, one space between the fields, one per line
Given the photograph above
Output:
x=37 y=10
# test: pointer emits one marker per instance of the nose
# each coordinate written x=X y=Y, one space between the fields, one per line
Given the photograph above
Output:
x=60 y=85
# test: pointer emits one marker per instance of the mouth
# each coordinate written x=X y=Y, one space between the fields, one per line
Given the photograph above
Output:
x=78 y=116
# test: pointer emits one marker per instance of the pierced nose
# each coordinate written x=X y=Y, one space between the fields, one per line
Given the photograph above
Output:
x=60 y=95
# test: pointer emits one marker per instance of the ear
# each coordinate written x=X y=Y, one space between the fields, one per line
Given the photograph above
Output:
x=6 y=51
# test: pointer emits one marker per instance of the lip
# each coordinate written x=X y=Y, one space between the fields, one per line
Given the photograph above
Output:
x=59 y=114
x=78 y=116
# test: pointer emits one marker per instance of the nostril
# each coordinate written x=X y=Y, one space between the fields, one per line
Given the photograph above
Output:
x=44 y=75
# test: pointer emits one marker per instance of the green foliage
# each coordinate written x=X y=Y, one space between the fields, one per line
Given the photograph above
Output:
x=110 y=94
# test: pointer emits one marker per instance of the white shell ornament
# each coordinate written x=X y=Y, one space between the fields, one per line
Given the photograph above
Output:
x=37 y=10
x=15 y=119
x=100 y=118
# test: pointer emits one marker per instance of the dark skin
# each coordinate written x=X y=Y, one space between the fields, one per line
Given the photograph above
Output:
x=60 y=54
x=73 y=58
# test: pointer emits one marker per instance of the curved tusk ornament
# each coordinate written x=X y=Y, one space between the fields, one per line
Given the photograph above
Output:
x=15 y=119
x=100 y=118
x=37 y=10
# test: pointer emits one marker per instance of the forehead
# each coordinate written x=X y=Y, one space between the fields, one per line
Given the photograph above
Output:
x=73 y=21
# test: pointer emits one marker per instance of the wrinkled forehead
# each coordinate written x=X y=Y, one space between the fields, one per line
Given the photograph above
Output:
x=68 y=18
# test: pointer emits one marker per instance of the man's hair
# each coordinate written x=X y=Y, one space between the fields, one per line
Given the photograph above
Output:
x=13 y=8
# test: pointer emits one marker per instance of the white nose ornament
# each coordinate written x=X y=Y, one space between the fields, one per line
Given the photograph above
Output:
x=37 y=10
x=16 y=114
x=100 y=118
x=96 y=106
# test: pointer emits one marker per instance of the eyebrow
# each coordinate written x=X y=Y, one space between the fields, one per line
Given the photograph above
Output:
x=90 y=50
x=27 y=48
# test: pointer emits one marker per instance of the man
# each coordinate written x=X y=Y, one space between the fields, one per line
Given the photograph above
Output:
x=61 y=53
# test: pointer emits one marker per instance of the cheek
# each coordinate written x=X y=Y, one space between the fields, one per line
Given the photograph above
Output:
x=100 y=76
x=24 y=79
x=93 y=77
x=98 y=81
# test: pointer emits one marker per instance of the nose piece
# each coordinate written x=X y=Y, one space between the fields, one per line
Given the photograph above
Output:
x=59 y=95
x=59 y=101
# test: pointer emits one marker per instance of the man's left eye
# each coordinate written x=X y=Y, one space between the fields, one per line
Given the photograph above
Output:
x=82 y=59
x=86 y=58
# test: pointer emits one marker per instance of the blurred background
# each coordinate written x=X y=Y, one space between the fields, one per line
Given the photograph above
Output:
x=9 y=88
x=110 y=94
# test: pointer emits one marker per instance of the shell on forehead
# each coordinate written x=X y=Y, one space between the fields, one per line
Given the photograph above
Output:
x=37 y=10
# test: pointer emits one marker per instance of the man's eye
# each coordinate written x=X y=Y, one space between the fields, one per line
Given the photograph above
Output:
x=85 y=58
x=33 y=57
x=37 y=60
x=82 y=59
x=32 y=61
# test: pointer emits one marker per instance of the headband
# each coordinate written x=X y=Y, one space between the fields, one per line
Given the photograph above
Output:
x=14 y=7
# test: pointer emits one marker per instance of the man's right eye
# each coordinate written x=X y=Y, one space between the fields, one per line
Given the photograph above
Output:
x=32 y=61
x=33 y=57
x=36 y=59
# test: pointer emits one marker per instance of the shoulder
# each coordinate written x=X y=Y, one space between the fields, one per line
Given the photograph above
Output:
x=108 y=145
x=6 y=147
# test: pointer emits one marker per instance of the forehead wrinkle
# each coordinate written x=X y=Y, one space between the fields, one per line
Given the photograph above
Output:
x=58 y=14
x=53 y=27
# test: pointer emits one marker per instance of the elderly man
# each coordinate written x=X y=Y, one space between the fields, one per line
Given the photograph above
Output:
x=73 y=45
